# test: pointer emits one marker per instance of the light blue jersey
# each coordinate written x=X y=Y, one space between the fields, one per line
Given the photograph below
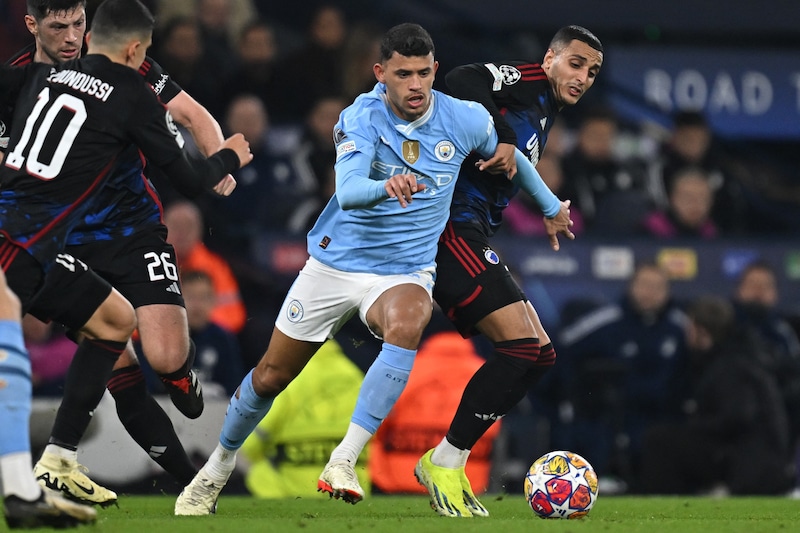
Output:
x=362 y=229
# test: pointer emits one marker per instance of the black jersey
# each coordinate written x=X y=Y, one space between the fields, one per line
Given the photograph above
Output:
x=519 y=97
x=70 y=127
x=128 y=202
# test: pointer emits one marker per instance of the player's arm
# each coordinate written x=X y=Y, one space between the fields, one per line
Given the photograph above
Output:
x=189 y=113
x=483 y=83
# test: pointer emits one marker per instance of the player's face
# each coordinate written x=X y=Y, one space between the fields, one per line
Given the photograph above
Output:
x=59 y=36
x=409 y=82
x=572 y=70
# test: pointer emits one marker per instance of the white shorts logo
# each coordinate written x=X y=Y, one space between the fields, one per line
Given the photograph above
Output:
x=294 y=311
x=445 y=151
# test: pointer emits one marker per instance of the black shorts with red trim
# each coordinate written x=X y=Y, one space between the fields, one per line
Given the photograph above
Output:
x=471 y=279
x=69 y=293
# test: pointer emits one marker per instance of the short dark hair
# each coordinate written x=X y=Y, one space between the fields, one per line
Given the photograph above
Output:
x=567 y=34
x=39 y=9
x=119 y=19
x=407 y=39
x=714 y=314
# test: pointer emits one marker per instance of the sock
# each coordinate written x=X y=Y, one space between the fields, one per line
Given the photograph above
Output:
x=243 y=414
x=61 y=452
x=16 y=476
x=492 y=391
x=148 y=424
x=15 y=397
x=383 y=383
x=84 y=388
x=221 y=463
x=448 y=456
x=353 y=442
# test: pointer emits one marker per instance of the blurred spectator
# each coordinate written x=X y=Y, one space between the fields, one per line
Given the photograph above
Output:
x=361 y=52
x=691 y=143
x=315 y=157
x=524 y=218
x=609 y=192
x=13 y=32
x=314 y=70
x=621 y=369
x=256 y=52
x=292 y=443
x=218 y=361
x=269 y=190
x=180 y=49
x=235 y=13
x=688 y=214
x=444 y=364
x=50 y=353
x=735 y=439
x=756 y=304
x=185 y=232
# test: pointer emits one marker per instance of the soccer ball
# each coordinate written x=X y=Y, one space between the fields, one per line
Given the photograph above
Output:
x=561 y=484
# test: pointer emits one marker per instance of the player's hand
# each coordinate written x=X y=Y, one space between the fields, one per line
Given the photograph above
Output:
x=502 y=162
x=559 y=224
x=239 y=144
x=402 y=187
x=226 y=186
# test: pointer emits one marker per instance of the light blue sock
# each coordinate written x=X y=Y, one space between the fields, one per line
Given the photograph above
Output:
x=15 y=390
x=243 y=414
x=385 y=380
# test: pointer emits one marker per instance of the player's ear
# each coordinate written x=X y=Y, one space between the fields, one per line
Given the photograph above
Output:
x=380 y=74
x=30 y=23
x=130 y=51
x=88 y=37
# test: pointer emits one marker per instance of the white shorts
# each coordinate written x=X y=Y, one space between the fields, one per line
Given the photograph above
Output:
x=322 y=299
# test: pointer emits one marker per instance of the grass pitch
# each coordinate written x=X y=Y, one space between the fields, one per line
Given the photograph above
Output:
x=412 y=514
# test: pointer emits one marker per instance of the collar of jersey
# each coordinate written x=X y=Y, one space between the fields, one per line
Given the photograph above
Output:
x=402 y=126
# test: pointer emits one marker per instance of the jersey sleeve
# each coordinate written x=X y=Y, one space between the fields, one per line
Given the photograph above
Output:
x=479 y=83
x=165 y=87
x=478 y=129
x=355 y=140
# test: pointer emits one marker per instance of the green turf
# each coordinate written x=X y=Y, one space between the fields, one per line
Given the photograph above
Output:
x=411 y=514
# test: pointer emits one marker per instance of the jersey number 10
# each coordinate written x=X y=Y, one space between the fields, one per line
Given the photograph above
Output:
x=66 y=102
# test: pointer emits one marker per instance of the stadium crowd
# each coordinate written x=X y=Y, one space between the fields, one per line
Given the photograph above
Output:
x=628 y=372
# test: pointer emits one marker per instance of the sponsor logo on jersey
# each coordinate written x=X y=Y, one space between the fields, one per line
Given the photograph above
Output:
x=294 y=311
x=349 y=146
x=491 y=256
x=411 y=151
x=160 y=84
x=445 y=150
x=510 y=74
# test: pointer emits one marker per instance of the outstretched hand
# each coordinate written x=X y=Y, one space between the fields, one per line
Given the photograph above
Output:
x=560 y=223
x=402 y=187
x=502 y=162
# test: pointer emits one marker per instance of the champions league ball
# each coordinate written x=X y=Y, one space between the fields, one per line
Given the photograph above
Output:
x=561 y=484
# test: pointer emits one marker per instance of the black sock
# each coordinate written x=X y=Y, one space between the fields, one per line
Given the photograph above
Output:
x=83 y=389
x=148 y=424
x=495 y=388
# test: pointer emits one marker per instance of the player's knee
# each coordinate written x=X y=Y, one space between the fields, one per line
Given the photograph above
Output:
x=522 y=354
x=127 y=359
x=271 y=380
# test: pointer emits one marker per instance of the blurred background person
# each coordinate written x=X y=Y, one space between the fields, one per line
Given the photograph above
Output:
x=50 y=353
x=622 y=371
x=293 y=442
x=185 y=233
x=256 y=61
x=688 y=214
x=735 y=439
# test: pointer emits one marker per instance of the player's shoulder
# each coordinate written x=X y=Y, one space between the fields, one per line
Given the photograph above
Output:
x=23 y=57
x=367 y=109
x=464 y=112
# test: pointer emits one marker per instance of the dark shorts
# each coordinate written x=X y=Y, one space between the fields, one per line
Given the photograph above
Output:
x=142 y=266
x=69 y=294
x=471 y=279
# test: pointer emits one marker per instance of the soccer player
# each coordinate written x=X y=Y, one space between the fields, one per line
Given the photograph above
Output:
x=70 y=126
x=125 y=243
x=399 y=148
x=475 y=288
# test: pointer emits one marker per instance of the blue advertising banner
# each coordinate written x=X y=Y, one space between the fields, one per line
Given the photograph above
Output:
x=744 y=93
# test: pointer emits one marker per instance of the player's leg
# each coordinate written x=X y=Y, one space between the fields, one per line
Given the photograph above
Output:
x=402 y=308
x=24 y=503
x=300 y=329
x=79 y=299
